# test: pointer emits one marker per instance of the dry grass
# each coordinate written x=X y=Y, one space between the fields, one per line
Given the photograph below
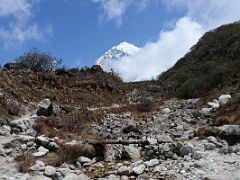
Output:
x=25 y=161
x=70 y=153
x=229 y=114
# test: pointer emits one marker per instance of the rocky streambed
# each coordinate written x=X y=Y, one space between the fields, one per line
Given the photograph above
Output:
x=179 y=143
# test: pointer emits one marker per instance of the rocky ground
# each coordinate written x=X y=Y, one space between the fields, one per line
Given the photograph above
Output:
x=175 y=141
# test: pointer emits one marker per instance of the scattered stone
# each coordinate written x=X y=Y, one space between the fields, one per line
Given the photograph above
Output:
x=209 y=146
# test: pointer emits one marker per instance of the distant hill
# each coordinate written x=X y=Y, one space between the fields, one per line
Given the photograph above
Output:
x=214 y=62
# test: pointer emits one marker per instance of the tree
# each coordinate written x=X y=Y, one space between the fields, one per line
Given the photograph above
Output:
x=38 y=61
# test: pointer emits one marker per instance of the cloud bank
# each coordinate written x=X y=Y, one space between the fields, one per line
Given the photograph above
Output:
x=19 y=27
x=156 y=57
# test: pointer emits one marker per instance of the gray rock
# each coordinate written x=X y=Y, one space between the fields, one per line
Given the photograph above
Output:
x=166 y=110
x=139 y=169
x=44 y=108
x=49 y=171
x=224 y=99
x=12 y=107
x=41 y=178
x=124 y=170
x=71 y=176
x=39 y=166
x=3 y=122
x=52 y=146
x=42 y=141
x=5 y=130
x=152 y=162
x=164 y=138
x=214 y=140
x=187 y=149
x=228 y=130
x=83 y=160
x=152 y=141
x=215 y=104
x=131 y=152
x=209 y=146
x=207 y=111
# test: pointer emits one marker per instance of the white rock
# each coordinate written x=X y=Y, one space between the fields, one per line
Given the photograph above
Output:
x=41 y=152
x=207 y=111
x=224 y=99
x=83 y=160
x=139 y=169
x=39 y=166
x=43 y=141
x=124 y=170
x=215 y=104
x=49 y=171
x=72 y=176
x=131 y=152
x=166 y=110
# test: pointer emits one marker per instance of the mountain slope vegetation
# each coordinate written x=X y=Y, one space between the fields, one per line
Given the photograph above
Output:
x=214 y=62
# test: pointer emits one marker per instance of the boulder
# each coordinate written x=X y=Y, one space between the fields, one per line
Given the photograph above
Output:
x=131 y=152
x=45 y=108
x=224 y=99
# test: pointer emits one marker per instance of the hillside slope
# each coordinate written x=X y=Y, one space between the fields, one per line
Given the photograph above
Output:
x=214 y=62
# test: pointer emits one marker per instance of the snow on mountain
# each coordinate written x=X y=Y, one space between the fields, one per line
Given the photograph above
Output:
x=115 y=54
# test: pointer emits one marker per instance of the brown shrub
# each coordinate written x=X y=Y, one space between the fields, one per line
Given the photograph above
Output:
x=25 y=161
x=42 y=127
x=145 y=105
x=70 y=153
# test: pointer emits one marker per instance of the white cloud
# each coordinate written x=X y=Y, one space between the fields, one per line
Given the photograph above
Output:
x=114 y=10
x=19 y=27
x=156 y=57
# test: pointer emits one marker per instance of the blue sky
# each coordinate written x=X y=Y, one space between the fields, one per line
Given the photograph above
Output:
x=79 y=35
x=79 y=31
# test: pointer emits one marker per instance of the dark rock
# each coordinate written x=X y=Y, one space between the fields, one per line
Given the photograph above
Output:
x=44 y=108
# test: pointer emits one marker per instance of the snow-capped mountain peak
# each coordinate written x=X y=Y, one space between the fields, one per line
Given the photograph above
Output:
x=115 y=54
